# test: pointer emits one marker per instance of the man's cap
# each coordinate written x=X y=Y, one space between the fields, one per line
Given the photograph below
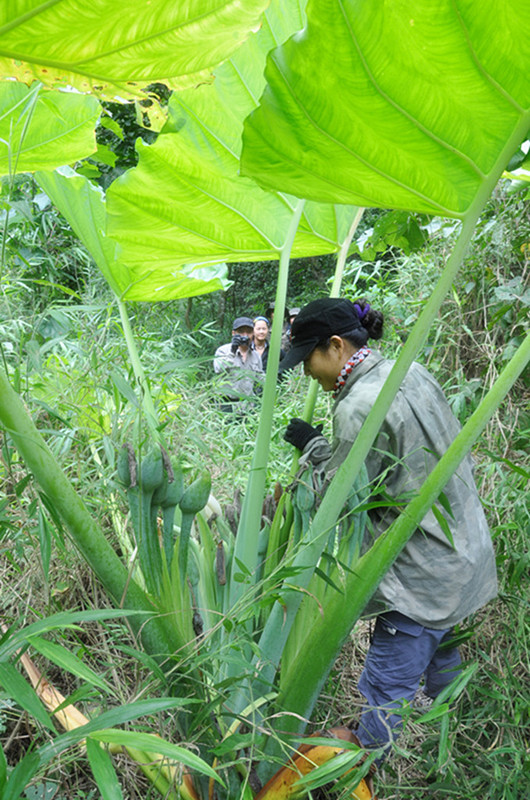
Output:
x=242 y=322
x=316 y=322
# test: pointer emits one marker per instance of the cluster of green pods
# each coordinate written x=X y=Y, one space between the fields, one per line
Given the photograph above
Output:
x=155 y=488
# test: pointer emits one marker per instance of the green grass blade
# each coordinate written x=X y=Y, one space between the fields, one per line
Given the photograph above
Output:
x=103 y=772
x=22 y=693
x=21 y=775
x=150 y=743
x=66 y=660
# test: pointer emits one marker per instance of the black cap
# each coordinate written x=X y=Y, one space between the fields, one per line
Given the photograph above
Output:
x=316 y=322
x=242 y=322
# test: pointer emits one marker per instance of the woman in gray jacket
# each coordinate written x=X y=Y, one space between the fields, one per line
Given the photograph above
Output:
x=437 y=580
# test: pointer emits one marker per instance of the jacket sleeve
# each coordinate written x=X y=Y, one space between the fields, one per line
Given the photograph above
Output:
x=223 y=360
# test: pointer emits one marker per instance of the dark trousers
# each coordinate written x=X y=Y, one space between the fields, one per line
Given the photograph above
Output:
x=401 y=653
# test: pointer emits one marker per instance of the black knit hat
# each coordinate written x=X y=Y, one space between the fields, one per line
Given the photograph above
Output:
x=316 y=322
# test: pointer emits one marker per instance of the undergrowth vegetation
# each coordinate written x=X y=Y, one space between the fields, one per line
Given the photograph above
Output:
x=64 y=349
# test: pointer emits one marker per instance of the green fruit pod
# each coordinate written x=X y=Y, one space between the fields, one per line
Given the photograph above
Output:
x=196 y=494
x=152 y=471
x=126 y=466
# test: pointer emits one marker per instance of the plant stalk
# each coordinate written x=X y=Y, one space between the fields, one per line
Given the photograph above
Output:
x=311 y=397
x=141 y=380
x=246 y=547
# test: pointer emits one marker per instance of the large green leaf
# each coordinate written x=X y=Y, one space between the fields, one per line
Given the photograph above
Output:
x=186 y=193
x=115 y=47
x=393 y=104
x=83 y=206
x=43 y=130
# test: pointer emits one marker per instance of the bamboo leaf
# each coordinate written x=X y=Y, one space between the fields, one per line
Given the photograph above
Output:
x=64 y=619
x=21 y=775
x=116 y=716
x=434 y=713
x=103 y=771
x=154 y=744
x=66 y=660
x=105 y=48
x=43 y=130
x=444 y=525
x=407 y=107
x=327 y=579
x=124 y=388
x=45 y=541
x=21 y=692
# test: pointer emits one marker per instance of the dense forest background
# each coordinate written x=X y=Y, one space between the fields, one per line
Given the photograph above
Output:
x=61 y=340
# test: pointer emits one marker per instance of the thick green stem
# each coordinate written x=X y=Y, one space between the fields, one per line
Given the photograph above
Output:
x=343 y=610
x=246 y=548
x=158 y=637
x=147 y=401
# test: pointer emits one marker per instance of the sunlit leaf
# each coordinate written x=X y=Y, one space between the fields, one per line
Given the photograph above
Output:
x=82 y=203
x=113 y=47
x=44 y=130
x=407 y=105
x=186 y=194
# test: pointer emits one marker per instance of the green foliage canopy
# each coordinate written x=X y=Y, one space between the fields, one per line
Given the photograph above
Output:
x=186 y=197
x=406 y=107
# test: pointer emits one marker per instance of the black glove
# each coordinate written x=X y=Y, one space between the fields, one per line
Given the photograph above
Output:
x=237 y=340
x=299 y=433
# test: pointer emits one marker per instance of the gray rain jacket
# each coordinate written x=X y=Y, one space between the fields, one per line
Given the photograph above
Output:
x=241 y=376
x=431 y=582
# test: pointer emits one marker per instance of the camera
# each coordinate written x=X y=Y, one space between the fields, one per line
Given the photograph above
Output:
x=238 y=340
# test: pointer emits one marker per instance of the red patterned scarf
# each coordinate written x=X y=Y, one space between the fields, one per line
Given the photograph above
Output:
x=351 y=363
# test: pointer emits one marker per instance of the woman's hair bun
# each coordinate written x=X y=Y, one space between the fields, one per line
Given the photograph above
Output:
x=370 y=319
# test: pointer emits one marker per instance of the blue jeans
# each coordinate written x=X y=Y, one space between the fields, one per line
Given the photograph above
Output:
x=401 y=652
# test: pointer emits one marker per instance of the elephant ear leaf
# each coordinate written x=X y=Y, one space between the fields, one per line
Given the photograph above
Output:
x=84 y=206
x=186 y=192
x=113 y=47
x=409 y=106
x=43 y=130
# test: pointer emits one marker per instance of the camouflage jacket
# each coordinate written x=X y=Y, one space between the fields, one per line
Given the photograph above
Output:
x=432 y=582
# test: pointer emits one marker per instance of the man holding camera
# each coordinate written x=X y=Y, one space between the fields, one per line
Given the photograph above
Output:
x=239 y=364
